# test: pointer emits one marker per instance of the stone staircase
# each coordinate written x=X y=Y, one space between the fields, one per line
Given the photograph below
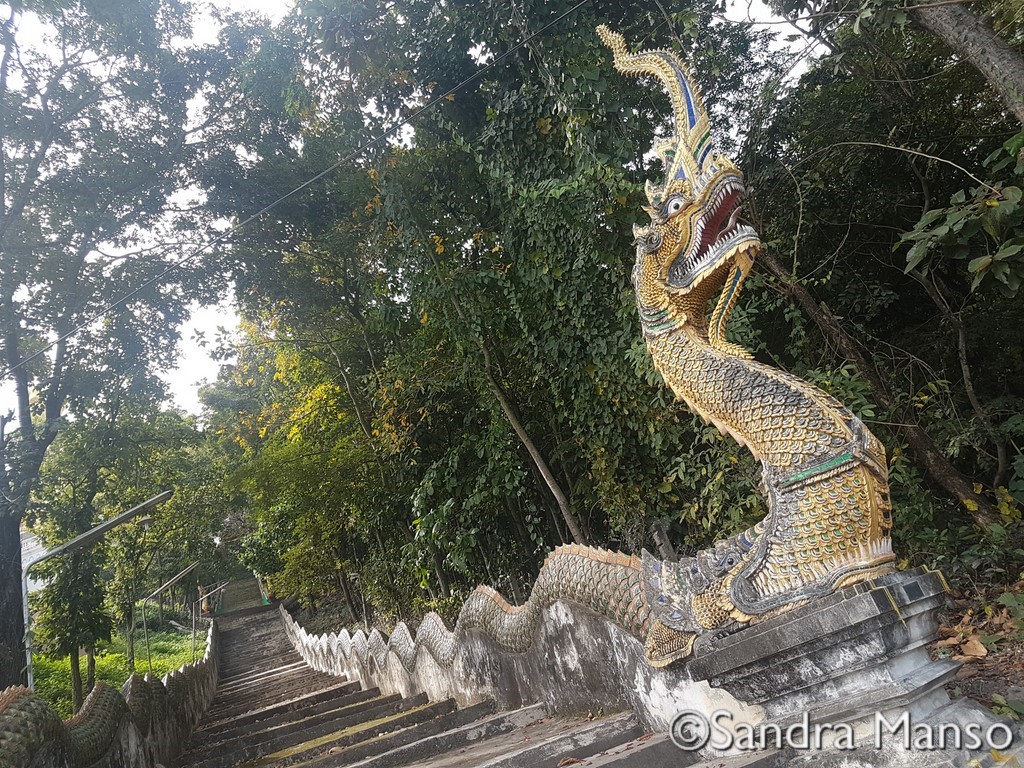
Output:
x=272 y=710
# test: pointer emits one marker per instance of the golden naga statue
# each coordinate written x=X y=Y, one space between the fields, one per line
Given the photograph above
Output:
x=824 y=474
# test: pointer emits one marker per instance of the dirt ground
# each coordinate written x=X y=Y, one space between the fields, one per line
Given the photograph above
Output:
x=985 y=632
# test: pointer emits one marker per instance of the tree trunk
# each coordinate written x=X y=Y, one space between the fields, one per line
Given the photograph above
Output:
x=129 y=643
x=90 y=669
x=934 y=462
x=511 y=413
x=12 y=627
x=542 y=466
x=972 y=38
x=349 y=600
x=442 y=580
x=934 y=291
x=77 y=697
x=661 y=540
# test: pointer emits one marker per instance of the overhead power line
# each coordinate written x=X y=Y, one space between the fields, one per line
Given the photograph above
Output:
x=270 y=206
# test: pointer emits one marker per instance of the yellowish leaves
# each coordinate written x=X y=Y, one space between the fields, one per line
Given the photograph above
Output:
x=450 y=97
x=1007 y=505
x=971 y=505
x=974 y=648
x=438 y=244
x=544 y=125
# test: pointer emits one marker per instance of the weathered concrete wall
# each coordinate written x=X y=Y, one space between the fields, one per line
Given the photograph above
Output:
x=578 y=663
x=142 y=726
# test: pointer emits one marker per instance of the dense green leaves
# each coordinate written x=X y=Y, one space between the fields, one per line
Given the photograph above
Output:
x=986 y=229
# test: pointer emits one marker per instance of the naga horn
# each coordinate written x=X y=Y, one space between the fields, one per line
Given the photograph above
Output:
x=687 y=152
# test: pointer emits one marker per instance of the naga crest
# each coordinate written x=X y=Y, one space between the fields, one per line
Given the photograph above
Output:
x=694 y=243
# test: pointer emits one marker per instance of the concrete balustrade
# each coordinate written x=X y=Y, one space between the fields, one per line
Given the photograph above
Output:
x=143 y=725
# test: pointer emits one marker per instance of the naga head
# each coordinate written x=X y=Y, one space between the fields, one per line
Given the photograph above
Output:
x=694 y=244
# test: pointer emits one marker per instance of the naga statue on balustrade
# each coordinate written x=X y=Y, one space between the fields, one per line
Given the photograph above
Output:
x=823 y=473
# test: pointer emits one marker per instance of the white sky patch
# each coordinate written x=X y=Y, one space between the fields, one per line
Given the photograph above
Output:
x=759 y=15
x=195 y=366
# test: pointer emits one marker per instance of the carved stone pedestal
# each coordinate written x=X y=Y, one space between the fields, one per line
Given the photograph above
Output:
x=857 y=650
x=859 y=657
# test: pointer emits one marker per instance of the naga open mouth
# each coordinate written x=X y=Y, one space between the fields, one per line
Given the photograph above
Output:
x=717 y=234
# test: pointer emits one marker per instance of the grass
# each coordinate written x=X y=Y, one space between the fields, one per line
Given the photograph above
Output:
x=169 y=650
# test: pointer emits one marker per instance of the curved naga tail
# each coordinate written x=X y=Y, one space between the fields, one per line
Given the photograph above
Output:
x=608 y=583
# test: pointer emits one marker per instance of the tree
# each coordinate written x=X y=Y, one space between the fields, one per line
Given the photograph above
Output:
x=70 y=615
x=996 y=55
x=971 y=36
x=96 y=133
x=100 y=465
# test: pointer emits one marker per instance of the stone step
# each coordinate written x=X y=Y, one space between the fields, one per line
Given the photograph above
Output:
x=295 y=662
x=388 y=744
x=289 y=705
x=293 y=735
x=651 y=750
x=240 y=704
x=576 y=739
x=538 y=742
x=658 y=751
x=255 y=666
x=354 y=734
x=257 y=676
x=304 y=714
x=445 y=741
x=237 y=632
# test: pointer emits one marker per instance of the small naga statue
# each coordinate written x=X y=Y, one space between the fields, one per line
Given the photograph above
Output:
x=824 y=474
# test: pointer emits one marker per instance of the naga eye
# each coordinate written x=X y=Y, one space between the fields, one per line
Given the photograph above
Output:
x=674 y=206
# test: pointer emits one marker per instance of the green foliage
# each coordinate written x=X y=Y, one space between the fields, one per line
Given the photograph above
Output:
x=983 y=226
x=69 y=611
x=169 y=651
x=108 y=113
x=490 y=259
